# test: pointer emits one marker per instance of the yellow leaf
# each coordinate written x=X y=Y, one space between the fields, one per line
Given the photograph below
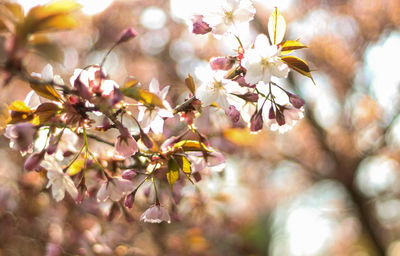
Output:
x=19 y=106
x=142 y=96
x=289 y=46
x=191 y=145
x=298 y=65
x=4 y=116
x=76 y=167
x=131 y=81
x=16 y=10
x=190 y=84
x=185 y=166
x=51 y=17
x=46 y=91
x=276 y=27
x=172 y=172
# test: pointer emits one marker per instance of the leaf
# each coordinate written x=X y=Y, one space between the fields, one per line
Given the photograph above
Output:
x=185 y=166
x=172 y=172
x=131 y=81
x=76 y=167
x=16 y=10
x=44 y=113
x=19 y=106
x=289 y=46
x=52 y=17
x=19 y=112
x=46 y=91
x=142 y=96
x=44 y=47
x=276 y=27
x=190 y=84
x=298 y=65
x=58 y=22
x=4 y=116
x=191 y=145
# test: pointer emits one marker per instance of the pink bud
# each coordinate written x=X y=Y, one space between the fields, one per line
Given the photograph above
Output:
x=128 y=174
x=242 y=82
x=256 y=121
x=280 y=118
x=33 y=161
x=199 y=26
x=146 y=139
x=81 y=193
x=52 y=147
x=233 y=113
x=127 y=35
x=271 y=114
x=130 y=199
x=249 y=96
x=222 y=63
x=196 y=176
x=296 y=101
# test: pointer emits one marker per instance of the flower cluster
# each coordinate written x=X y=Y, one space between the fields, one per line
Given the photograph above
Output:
x=60 y=124
x=244 y=85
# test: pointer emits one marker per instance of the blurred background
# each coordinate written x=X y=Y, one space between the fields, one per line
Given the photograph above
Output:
x=328 y=187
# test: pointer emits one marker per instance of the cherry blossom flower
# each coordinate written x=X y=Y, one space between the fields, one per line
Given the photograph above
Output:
x=126 y=145
x=115 y=188
x=262 y=62
x=230 y=13
x=285 y=119
x=153 y=118
x=156 y=214
x=33 y=161
x=21 y=136
x=216 y=89
x=58 y=180
x=199 y=26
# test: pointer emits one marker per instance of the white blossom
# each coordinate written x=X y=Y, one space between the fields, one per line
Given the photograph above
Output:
x=154 y=118
x=58 y=180
x=215 y=88
x=229 y=14
x=156 y=214
x=262 y=62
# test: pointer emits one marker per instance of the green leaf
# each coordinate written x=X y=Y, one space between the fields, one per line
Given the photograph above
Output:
x=289 y=46
x=298 y=65
x=143 y=96
x=172 y=172
x=46 y=91
x=276 y=27
x=190 y=84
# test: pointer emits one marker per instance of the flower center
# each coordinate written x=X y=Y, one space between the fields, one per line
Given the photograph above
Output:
x=228 y=16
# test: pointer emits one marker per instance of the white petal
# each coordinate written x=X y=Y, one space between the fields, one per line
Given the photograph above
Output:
x=154 y=86
x=47 y=73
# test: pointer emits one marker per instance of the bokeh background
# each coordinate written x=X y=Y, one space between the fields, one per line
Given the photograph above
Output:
x=328 y=187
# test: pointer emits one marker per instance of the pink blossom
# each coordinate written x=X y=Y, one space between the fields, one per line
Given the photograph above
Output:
x=156 y=214
x=199 y=26
x=21 y=136
x=115 y=189
x=125 y=145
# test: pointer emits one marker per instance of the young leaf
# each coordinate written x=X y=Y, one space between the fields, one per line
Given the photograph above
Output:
x=172 y=172
x=191 y=145
x=76 y=167
x=41 y=45
x=276 y=27
x=19 y=106
x=19 y=112
x=185 y=166
x=298 y=65
x=44 y=113
x=46 y=91
x=190 y=84
x=16 y=10
x=289 y=46
x=142 y=96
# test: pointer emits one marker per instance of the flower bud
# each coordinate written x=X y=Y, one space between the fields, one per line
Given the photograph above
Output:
x=197 y=176
x=127 y=35
x=81 y=193
x=33 y=161
x=249 y=96
x=128 y=174
x=222 y=63
x=271 y=114
x=280 y=118
x=146 y=139
x=256 y=121
x=199 y=26
x=233 y=113
x=130 y=199
x=296 y=101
